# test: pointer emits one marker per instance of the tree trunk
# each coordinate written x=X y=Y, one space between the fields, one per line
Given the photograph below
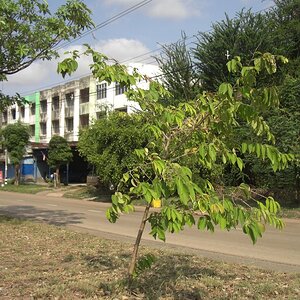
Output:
x=17 y=174
x=57 y=178
x=137 y=243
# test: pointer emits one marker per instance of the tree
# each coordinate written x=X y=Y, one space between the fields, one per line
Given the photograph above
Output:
x=59 y=153
x=15 y=139
x=179 y=77
x=109 y=143
x=243 y=35
x=209 y=121
x=29 y=31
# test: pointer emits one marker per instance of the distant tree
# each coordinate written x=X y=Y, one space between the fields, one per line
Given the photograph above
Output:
x=59 y=153
x=30 y=31
x=242 y=36
x=179 y=76
x=108 y=144
x=15 y=139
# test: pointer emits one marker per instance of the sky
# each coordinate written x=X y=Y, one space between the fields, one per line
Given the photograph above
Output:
x=159 y=22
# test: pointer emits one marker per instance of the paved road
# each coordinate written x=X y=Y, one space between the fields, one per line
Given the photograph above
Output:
x=278 y=250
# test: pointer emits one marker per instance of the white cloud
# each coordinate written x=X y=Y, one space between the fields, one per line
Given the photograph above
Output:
x=122 y=49
x=42 y=74
x=31 y=75
x=172 y=9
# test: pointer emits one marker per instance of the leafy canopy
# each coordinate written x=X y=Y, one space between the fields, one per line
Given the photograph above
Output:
x=15 y=140
x=59 y=152
x=109 y=143
x=30 y=31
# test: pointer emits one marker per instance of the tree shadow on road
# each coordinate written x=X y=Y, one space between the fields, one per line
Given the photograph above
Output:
x=54 y=217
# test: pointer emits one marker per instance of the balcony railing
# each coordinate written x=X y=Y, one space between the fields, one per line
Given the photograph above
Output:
x=84 y=108
x=69 y=111
x=55 y=115
x=43 y=117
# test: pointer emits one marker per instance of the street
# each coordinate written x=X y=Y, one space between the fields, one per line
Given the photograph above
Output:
x=277 y=250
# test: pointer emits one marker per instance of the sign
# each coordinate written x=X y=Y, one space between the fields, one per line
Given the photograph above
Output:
x=1 y=177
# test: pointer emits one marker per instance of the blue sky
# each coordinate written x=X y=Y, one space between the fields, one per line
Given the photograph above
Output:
x=146 y=29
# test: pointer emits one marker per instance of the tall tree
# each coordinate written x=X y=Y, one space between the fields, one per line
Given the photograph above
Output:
x=242 y=36
x=179 y=76
x=15 y=138
x=30 y=31
x=59 y=153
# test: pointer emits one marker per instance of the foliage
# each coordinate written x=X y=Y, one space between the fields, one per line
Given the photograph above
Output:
x=109 y=143
x=278 y=31
x=59 y=153
x=29 y=31
x=15 y=139
x=179 y=77
x=244 y=35
x=209 y=119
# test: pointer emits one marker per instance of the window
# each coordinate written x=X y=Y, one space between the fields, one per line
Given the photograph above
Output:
x=102 y=91
x=70 y=100
x=4 y=117
x=55 y=103
x=43 y=106
x=32 y=109
x=32 y=130
x=122 y=109
x=120 y=89
x=43 y=128
x=101 y=115
x=84 y=95
x=22 y=112
x=69 y=124
x=55 y=127
x=84 y=121
x=13 y=113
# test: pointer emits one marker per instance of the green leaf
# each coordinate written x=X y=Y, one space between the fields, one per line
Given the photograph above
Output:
x=182 y=190
x=202 y=222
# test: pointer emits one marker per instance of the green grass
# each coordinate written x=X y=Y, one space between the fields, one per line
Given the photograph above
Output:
x=40 y=261
x=87 y=192
x=24 y=188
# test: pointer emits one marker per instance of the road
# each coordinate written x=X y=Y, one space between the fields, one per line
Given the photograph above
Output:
x=277 y=250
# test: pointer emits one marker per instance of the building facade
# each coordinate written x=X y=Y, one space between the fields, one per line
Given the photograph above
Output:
x=63 y=110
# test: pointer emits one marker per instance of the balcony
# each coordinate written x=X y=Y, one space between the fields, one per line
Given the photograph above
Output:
x=69 y=136
x=43 y=117
x=69 y=112
x=84 y=108
x=32 y=119
x=55 y=114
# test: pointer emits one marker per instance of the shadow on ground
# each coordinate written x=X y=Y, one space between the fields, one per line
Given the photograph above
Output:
x=54 y=217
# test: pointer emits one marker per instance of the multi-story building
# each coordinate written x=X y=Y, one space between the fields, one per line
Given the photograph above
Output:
x=63 y=110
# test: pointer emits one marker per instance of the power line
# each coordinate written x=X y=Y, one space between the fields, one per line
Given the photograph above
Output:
x=107 y=22
x=134 y=7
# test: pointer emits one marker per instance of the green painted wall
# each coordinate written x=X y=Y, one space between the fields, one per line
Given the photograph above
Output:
x=35 y=98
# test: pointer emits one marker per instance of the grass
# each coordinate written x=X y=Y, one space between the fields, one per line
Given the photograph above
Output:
x=39 y=261
x=24 y=188
x=87 y=192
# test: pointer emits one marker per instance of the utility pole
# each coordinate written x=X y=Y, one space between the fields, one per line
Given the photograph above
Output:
x=5 y=168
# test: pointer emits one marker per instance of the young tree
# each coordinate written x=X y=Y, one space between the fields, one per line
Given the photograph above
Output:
x=109 y=143
x=201 y=128
x=15 y=139
x=59 y=153
x=30 y=31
